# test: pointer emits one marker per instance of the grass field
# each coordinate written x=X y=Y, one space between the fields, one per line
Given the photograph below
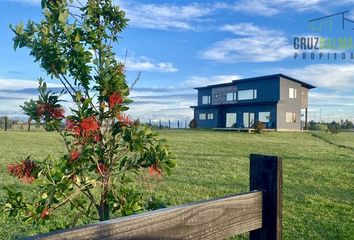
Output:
x=318 y=175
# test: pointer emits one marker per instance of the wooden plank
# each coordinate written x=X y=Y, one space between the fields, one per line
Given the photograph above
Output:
x=213 y=219
x=266 y=175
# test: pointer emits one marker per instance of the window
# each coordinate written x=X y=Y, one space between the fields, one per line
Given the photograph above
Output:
x=292 y=92
x=210 y=116
x=264 y=116
x=247 y=94
x=202 y=116
x=206 y=100
x=290 y=117
x=231 y=96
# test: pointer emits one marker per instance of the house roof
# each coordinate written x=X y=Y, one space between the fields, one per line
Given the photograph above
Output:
x=309 y=86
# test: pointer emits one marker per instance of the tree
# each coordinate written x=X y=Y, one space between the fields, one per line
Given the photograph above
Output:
x=106 y=149
x=30 y=109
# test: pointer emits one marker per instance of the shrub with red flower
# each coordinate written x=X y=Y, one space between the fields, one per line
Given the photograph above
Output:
x=105 y=147
x=74 y=155
x=24 y=170
x=114 y=100
x=155 y=169
x=125 y=120
x=57 y=113
x=45 y=213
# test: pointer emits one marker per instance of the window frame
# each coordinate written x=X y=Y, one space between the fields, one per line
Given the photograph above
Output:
x=205 y=116
x=292 y=93
x=293 y=117
x=252 y=94
x=267 y=120
x=233 y=96
x=208 y=98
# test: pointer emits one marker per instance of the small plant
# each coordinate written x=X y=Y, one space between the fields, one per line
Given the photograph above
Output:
x=106 y=150
x=193 y=123
x=258 y=127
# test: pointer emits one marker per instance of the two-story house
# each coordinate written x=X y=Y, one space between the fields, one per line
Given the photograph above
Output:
x=276 y=100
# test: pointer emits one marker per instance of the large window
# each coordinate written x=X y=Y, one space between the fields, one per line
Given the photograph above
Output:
x=264 y=117
x=231 y=96
x=292 y=92
x=290 y=117
x=206 y=100
x=202 y=116
x=247 y=94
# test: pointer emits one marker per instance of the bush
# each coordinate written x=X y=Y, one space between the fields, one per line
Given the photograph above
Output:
x=334 y=127
x=258 y=127
x=193 y=123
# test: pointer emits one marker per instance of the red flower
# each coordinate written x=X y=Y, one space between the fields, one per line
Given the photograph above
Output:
x=45 y=213
x=155 y=169
x=74 y=155
x=41 y=109
x=89 y=124
x=114 y=100
x=57 y=113
x=125 y=120
x=23 y=170
x=72 y=125
x=101 y=169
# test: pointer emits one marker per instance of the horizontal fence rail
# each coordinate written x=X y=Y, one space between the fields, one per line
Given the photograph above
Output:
x=258 y=212
x=213 y=219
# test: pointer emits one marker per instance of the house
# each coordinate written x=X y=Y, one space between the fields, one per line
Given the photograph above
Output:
x=277 y=100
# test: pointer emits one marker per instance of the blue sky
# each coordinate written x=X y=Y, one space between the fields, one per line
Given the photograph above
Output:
x=183 y=44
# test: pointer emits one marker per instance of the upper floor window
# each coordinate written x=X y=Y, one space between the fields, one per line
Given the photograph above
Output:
x=231 y=96
x=292 y=92
x=247 y=94
x=206 y=100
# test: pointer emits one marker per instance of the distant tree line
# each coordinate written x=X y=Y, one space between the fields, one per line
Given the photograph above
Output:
x=332 y=127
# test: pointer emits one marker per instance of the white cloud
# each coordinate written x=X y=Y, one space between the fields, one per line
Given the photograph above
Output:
x=148 y=64
x=256 y=44
x=165 y=16
x=198 y=81
x=334 y=76
x=270 y=8
x=31 y=2
x=16 y=84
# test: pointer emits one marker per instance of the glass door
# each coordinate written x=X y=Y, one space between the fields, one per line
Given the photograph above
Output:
x=231 y=120
x=248 y=120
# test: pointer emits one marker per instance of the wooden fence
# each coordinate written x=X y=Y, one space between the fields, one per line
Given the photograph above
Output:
x=258 y=212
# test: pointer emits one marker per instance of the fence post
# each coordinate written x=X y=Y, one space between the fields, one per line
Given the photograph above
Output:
x=266 y=175
x=169 y=124
x=5 y=124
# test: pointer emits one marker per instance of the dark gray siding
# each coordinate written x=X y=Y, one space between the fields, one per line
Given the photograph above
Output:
x=219 y=94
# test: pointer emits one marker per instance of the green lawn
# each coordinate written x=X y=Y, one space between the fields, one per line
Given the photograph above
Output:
x=318 y=176
x=343 y=139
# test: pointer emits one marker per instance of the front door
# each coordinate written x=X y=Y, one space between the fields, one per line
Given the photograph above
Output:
x=231 y=120
x=248 y=120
